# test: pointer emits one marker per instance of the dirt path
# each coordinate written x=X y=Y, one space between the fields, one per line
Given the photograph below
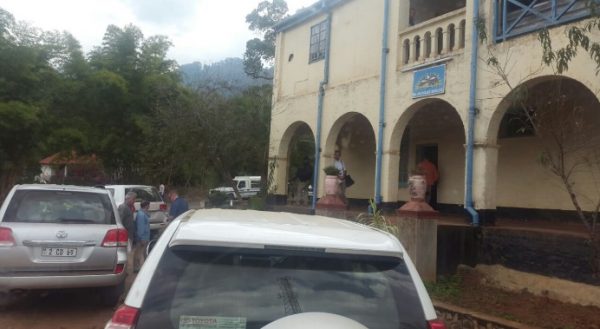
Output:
x=58 y=310
x=468 y=292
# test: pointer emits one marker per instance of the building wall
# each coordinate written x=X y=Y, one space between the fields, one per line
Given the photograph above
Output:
x=503 y=170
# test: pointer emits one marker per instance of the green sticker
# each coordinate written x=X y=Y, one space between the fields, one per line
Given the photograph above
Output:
x=210 y=322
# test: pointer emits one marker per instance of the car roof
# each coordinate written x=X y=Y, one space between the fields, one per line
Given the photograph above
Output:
x=271 y=230
x=55 y=187
x=126 y=186
x=247 y=177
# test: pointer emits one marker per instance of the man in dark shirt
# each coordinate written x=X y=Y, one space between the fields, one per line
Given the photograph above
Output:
x=126 y=211
x=178 y=205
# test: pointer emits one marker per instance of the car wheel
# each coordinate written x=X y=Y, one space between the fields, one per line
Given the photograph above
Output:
x=110 y=296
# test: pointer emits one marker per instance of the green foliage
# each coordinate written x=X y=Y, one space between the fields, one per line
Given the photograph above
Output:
x=125 y=103
x=377 y=220
x=257 y=203
x=217 y=198
x=446 y=288
x=260 y=52
x=331 y=171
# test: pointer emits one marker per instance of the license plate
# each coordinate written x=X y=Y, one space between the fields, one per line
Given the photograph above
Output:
x=59 y=252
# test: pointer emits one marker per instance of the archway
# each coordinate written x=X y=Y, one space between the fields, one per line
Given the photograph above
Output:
x=429 y=128
x=296 y=145
x=547 y=128
x=353 y=135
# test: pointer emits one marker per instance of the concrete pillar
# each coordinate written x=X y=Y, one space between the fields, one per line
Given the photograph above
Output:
x=446 y=36
x=485 y=170
x=434 y=45
x=413 y=51
x=419 y=238
x=389 y=176
x=280 y=176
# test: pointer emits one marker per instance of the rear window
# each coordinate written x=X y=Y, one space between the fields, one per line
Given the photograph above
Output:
x=37 y=206
x=147 y=193
x=253 y=288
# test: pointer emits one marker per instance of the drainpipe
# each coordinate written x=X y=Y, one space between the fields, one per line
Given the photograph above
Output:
x=322 y=85
x=382 y=89
x=471 y=127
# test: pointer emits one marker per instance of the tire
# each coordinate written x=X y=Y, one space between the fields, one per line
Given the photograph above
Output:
x=110 y=296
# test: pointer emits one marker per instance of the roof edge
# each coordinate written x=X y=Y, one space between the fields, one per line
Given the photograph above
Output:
x=305 y=14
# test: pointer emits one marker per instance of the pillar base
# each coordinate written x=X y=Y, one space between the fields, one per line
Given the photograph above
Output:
x=334 y=202
x=419 y=209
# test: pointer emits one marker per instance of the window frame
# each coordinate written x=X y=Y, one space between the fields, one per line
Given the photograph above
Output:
x=318 y=42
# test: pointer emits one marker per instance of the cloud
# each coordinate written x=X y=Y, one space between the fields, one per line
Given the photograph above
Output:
x=201 y=30
x=164 y=12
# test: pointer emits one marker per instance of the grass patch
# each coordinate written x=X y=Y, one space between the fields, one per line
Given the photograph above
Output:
x=446 y=288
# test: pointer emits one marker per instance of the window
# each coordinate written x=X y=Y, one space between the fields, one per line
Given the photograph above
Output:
x=242 y=184
x=146 y=193
x=262 y=286
x=65 y=207
x=318 y=41
x=255 y=184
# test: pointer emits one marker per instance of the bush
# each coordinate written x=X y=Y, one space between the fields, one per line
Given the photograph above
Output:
x=331 y=171
x=256 y=203
x=217 y=198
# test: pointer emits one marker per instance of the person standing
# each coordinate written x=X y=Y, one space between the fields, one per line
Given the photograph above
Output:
x=142 y=222
x=126 y=211
x=161 y=191
x=339 y=164
x=431 y=177
x=178 y=205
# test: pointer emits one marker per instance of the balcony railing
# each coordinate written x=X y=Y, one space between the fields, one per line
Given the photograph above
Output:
x=518 y=17
x=434 y=38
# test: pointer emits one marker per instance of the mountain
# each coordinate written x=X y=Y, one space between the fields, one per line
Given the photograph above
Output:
x=228 y=73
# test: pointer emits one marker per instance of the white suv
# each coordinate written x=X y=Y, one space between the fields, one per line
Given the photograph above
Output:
x=246 y=269
x=157 y=209
x=248 y=186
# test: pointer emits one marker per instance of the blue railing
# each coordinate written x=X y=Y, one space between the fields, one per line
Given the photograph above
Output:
x=517 y=17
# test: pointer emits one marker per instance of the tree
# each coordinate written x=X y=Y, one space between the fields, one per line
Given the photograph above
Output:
x=260 y=52
x=24 y=73
x=569 y=145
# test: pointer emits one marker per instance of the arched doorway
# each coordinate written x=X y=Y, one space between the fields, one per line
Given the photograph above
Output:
x=432 y=129
x=353 y=135
x=301 y=154
x=548 y=134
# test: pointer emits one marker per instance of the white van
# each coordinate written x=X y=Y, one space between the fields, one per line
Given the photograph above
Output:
x=248 y=186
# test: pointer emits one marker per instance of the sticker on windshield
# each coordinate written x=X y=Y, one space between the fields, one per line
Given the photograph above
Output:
x=210 y=322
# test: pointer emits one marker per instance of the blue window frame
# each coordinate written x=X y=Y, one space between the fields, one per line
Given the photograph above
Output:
x=517 y=17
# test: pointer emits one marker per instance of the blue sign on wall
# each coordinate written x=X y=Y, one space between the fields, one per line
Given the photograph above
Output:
x=429 y=81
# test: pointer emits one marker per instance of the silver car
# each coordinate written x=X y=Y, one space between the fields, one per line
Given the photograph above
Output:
x=56 y=236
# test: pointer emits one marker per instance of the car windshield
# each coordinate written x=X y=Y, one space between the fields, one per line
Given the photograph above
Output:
x=147 y=193
x=255 y=288
x=68 y=207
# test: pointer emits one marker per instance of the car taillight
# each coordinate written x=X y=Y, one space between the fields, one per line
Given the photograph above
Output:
x=119 y=268
x=115 y=238
x=6 y=237
x=163 y=207
x=436 y=324
x=125 y=317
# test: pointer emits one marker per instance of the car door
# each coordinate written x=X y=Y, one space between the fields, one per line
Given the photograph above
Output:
x=57 y=231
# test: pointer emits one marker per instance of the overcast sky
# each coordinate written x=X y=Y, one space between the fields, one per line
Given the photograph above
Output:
x=201 y=30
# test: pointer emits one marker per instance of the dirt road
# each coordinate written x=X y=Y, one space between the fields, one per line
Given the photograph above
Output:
x=58 y=310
